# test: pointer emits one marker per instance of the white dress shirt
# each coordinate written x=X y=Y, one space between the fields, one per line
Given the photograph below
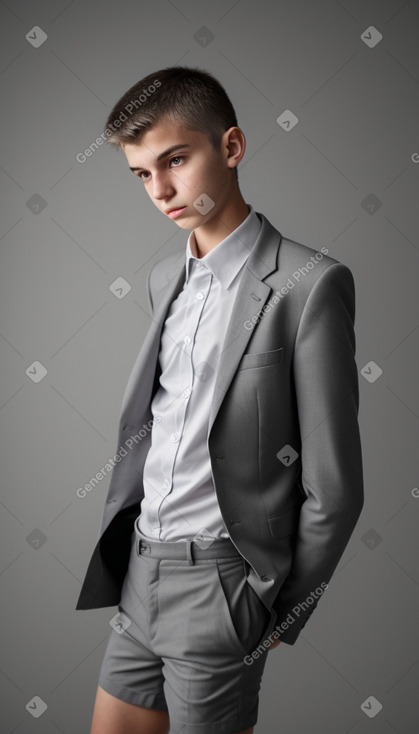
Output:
x=179 y=495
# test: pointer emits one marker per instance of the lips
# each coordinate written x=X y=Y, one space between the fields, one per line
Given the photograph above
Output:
x=174 y=213
x=174 y=209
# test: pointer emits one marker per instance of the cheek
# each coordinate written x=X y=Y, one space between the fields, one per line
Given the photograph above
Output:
x=192 y=186
x=209 y=183
x=185 y=182
x=204 y=179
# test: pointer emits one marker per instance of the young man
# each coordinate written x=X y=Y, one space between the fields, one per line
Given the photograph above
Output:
x=238 y=478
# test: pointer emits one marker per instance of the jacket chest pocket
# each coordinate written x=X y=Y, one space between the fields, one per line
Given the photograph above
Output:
x=261 y=359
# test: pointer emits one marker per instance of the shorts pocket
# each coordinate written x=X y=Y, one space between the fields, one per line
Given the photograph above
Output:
x=246 y=616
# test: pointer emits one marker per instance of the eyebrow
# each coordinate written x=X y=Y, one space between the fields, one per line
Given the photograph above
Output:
x=165 y=154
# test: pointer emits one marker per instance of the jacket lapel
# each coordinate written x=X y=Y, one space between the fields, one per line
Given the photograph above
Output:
x=141 y=380
x=251 y=296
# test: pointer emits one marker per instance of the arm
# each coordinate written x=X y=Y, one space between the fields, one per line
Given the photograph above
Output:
x=326 y=384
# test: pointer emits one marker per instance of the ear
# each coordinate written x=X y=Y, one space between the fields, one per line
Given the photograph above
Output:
x=233 y=146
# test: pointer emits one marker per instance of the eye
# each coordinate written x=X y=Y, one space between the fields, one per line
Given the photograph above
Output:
x=177 y=158
x=144 y=175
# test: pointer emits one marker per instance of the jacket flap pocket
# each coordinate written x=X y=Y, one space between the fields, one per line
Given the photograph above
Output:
x=285 y=523
x=261 y=359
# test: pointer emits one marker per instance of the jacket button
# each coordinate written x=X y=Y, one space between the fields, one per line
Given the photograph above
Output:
x=265 y=578
x=109 y=501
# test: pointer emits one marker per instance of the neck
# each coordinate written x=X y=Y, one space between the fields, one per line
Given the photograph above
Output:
x=220 y=226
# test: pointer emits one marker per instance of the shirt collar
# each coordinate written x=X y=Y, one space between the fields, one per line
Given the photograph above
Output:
x=226 y=259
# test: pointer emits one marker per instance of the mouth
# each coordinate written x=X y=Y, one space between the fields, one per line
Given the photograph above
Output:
x=173 y=213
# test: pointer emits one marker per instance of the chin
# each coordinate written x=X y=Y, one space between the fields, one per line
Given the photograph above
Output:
x=187 y=224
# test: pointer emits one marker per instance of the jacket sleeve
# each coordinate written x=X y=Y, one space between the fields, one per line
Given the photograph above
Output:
x=326 y=384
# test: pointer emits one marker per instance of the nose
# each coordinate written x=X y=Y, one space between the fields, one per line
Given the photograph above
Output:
x=161 y=186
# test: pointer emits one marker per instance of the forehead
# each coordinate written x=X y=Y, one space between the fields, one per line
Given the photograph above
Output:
x=158 y=139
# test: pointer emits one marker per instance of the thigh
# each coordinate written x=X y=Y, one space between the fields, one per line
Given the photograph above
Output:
x=131 y=671
x=114 y=716
x=206 y=624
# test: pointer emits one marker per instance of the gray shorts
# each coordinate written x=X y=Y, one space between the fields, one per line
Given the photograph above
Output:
x=185 y=628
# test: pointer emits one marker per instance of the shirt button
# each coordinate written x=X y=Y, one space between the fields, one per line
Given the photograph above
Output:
x=187 y=339
x=174 y=437
x=200 y=296
x=166 y=483
x=187 y=392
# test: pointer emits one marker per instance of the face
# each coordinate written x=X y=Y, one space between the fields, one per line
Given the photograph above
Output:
x=179 y=166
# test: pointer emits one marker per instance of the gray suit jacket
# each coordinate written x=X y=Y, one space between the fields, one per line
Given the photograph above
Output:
x=283 y=431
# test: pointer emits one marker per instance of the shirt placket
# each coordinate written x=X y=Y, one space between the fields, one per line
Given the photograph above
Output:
x=198 y=287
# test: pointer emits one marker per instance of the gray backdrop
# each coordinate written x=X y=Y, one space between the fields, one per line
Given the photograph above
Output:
x=345 y=177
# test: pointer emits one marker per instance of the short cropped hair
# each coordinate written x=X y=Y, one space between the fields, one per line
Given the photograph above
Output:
x=190 y=97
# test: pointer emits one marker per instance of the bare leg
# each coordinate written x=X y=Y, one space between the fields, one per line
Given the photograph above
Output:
x=113 y=716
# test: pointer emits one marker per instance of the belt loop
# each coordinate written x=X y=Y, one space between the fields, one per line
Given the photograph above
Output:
x=141 y=546
x=189 y=552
